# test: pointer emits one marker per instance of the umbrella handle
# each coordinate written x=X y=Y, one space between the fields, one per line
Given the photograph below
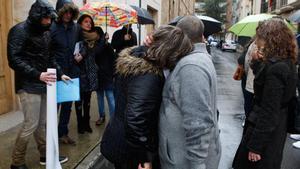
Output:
x=106 y=19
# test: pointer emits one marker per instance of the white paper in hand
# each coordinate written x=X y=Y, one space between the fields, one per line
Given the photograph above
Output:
x=77 y=48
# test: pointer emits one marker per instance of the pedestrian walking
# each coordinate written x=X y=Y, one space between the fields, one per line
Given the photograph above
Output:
x=106 y=64
x=29 y=56
x=297 y=136
x=123 y=38
x=64 y=35
x=130 y=139
x=188 y=128
x=274 y=85
x=89 y=48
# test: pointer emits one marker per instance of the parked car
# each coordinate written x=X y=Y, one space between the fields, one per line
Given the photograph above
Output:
x=229 y=45
x=214 y=43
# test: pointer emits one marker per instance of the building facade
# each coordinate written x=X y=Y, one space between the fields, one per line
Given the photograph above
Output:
x=172 y=8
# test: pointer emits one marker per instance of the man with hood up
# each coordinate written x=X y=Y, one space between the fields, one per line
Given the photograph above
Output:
x=29 y=56
x=64 y=35
x=123 y=38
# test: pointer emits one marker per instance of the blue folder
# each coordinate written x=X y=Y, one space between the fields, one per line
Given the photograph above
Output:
x=68 y=92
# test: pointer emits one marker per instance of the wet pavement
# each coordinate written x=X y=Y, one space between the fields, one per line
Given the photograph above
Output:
x=85 y=143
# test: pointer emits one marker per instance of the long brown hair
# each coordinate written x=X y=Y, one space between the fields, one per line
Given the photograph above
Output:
x=279 y=40
x=169 y=45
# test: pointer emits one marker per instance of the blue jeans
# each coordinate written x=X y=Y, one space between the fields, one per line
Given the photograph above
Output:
x=110 y=100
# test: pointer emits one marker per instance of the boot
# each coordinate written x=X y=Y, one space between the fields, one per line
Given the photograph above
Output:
x=87 y=126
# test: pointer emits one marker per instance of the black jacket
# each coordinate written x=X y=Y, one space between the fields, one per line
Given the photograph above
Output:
x=29 y=49
x=88 y=68
x=131 y=134
x=266 y=126
x=106 y=64
x=119 y=43
x=63 y=40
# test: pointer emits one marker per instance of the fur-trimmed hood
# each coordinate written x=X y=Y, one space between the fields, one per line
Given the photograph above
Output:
x=63 y=6
x=130 y=62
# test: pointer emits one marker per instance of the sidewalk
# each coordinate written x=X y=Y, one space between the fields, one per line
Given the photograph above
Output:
x=11 y=123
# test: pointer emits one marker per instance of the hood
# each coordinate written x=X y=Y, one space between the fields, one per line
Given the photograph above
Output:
x=124 y=29
x=63 y=6
x=131 y=62
x=40 y=9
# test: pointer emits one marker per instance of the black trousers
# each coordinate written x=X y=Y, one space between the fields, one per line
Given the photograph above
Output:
x=85 y=102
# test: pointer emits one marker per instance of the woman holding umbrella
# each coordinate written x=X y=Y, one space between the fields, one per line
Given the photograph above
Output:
x=274 y=68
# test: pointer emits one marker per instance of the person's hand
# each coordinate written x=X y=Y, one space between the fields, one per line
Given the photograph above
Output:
x=127 y=37
x=238 y=73
x=253 y=157
x=257 y=54
x=78 y=57
x=146 y=166
x=48 y=77
x=148 y=40
x=66 y=79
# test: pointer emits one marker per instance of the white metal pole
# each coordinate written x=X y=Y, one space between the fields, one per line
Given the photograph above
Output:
x=52 y=151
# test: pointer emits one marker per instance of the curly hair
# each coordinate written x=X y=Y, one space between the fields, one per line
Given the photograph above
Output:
x=279 y=40
x=169 y=45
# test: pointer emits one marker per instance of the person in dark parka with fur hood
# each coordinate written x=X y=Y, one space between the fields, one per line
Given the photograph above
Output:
x=64 y=35
x=131 y=137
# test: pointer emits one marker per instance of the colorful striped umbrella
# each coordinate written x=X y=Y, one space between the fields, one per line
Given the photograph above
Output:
x=110 y=14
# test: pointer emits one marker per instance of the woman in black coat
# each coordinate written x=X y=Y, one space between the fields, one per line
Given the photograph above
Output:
x=130 y=139
x=274 y=85
x=89 y=48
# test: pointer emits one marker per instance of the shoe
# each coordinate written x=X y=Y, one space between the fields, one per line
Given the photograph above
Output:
x=296 y=144
x=80 y=129
x=295 y=136
x=100 y=121
x=18 y=167
x=66 y=140
x=88 y=129
x=62 y=159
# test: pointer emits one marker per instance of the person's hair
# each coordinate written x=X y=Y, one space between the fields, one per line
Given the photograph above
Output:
x=193 y=27
x=69 y=7
x=169 y=45
x=82 y=17
x=280 y=41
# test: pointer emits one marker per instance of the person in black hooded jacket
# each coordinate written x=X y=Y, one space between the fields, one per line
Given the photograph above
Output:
x=64 y=35
x=130 y=139
x=123 y=38
x=29 y=56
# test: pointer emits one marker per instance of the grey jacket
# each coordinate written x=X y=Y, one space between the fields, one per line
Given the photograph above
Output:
x=188 y=128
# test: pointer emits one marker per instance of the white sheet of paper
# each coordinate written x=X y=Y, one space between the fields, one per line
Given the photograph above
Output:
x=52 y=152
x=77 y=48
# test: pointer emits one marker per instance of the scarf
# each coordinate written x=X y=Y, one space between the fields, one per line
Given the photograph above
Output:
x=90 y=38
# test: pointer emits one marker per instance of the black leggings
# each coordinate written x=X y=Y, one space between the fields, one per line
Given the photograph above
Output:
x=85 y=102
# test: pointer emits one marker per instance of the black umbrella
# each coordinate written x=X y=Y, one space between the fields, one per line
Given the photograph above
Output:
x=143 y=16
x=211 y=25
x=295 y=17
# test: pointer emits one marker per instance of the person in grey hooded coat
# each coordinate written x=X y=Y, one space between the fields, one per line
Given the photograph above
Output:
x=188 y=128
